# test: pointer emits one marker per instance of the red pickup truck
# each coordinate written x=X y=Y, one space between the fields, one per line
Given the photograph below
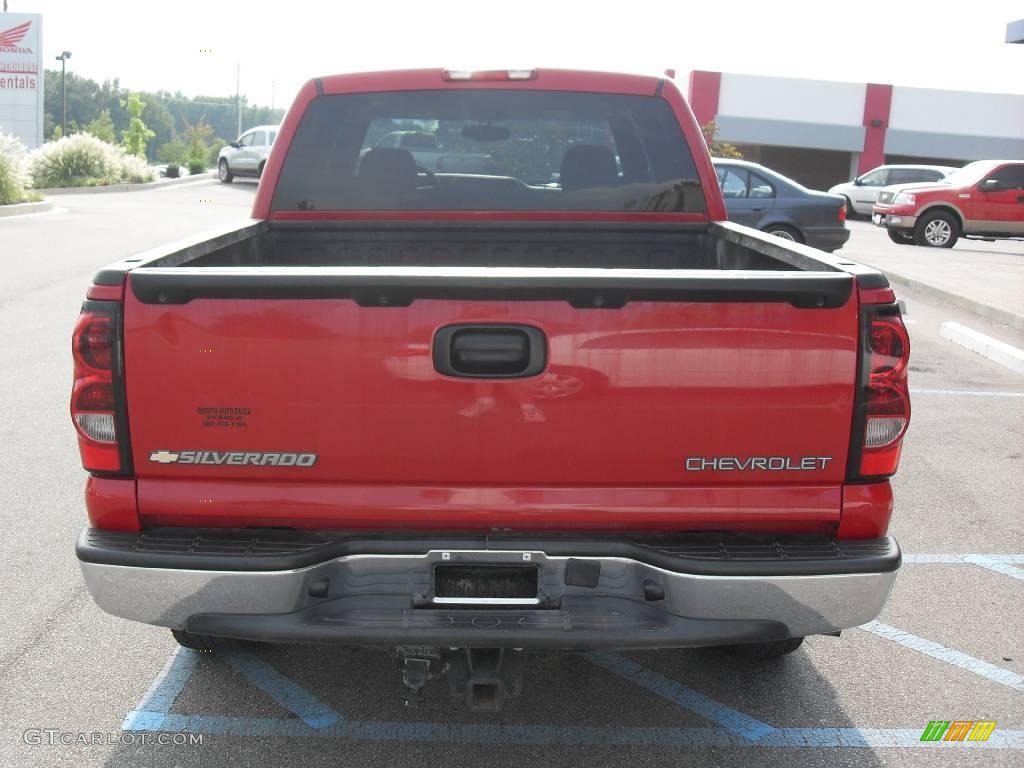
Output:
x=983 y=200
x=557 y=403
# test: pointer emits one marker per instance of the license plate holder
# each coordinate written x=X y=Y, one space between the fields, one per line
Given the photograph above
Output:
x=486 y=584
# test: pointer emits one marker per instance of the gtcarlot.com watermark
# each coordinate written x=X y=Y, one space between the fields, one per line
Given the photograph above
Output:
x=55 y=737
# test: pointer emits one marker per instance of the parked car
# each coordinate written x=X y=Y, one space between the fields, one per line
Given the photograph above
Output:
x=982 y=200
x=761 y=198
x=861 y=193
x=247 y=155
x=462 y=416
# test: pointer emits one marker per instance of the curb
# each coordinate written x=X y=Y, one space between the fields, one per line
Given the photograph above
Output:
x=995 y=314
x=997 y=351
x=126 y=187
x=24 y=209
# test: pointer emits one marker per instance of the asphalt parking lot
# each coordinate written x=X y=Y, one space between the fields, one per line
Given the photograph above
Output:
x=949 y=645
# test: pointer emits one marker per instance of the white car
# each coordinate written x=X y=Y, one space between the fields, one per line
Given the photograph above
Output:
x=862 y=192
x=247 y=155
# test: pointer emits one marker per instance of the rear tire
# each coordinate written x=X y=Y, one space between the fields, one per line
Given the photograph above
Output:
x=206 y=643
x=900 y=238
x=937 y=230
x=224 y=172
x=773 y=649
x=785 y=232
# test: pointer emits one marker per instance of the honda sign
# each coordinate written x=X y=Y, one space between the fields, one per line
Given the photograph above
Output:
x=21 y=77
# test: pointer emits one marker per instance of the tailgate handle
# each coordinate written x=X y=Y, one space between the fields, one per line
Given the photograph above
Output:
x=490 y=351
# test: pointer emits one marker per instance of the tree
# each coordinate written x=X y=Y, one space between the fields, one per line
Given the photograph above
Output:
x=718 y=148
x=173 y=152
x=138 y=135
x=197 y=137
x=102 y=127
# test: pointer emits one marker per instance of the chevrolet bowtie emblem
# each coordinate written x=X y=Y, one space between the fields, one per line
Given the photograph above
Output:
x=163 y=457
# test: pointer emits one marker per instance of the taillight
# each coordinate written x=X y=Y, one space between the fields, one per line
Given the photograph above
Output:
x=842 y=213
x=883 y=398
x=97 y=396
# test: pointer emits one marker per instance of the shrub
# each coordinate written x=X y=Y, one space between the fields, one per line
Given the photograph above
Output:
x=213 y=155
x=102 y=127
x=83 y=160
x=13 y=170
x=196 y=166
x=172 y=152
x=172 y=171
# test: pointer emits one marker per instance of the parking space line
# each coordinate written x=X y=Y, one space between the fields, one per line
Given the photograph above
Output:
x=1003 y=564
x=966 y=392
x=948 y=655
x=732 y=720
x=153 y=715
x=994 y=565
x=354 y=730
x=166 y=687
x=955 y=559
x=282 y=690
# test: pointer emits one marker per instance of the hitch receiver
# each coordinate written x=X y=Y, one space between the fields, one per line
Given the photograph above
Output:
x=486 y=676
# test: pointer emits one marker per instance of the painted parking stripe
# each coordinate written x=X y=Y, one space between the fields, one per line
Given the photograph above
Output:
x=282 y=690
x=965 y=392
x=180 y=667
x=814 y=738
x=994 y=565
x=731 y=720
x=1003 y=564
x=166 y=687
x=948 y=655
x=954 y=559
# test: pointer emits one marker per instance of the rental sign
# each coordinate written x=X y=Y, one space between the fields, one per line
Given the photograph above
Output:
x=21 y=77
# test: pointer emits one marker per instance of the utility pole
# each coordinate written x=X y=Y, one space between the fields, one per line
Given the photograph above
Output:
x=238 y=96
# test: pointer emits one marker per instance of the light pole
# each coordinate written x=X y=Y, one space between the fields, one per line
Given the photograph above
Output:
x=238 y=96
x=63 y=59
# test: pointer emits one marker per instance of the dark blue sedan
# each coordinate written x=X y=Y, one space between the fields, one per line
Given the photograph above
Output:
x=759 y=197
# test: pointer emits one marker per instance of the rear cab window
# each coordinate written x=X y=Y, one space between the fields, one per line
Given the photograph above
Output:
x=489 y=150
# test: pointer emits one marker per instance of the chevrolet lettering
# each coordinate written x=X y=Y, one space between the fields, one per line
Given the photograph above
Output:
x=768 y=463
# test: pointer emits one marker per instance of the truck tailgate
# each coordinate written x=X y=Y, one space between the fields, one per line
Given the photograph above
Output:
x=325 y=412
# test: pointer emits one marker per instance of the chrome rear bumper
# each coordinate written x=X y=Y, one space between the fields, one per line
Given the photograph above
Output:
x=387 y=599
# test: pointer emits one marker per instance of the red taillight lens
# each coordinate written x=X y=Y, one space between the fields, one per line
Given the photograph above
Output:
x=94 y=341
x=884 y=399
x=98 y=389
x=842 y=214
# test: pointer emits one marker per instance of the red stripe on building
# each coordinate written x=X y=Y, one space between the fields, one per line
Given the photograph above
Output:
x=704 y=90
x=877 y=103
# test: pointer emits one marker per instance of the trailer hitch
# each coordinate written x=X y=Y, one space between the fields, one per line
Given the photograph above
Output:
x=486 y=677
x=483 y=677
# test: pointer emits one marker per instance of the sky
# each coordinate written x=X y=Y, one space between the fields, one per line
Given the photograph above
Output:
x=195 y=47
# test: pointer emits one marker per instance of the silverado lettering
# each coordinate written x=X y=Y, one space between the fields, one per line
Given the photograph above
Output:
x=499 y=334
x=234 y=458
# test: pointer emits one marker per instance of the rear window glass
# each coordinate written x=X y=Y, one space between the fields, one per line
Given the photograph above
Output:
x=489 y=150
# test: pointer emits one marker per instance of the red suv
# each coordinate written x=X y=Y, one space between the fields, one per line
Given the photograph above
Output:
x=981 y=200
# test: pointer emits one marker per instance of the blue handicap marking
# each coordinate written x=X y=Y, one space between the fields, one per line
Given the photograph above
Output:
x=309 y=709
x=314 y=719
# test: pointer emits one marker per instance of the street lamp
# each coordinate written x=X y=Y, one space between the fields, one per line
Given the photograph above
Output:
x=64 y=92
